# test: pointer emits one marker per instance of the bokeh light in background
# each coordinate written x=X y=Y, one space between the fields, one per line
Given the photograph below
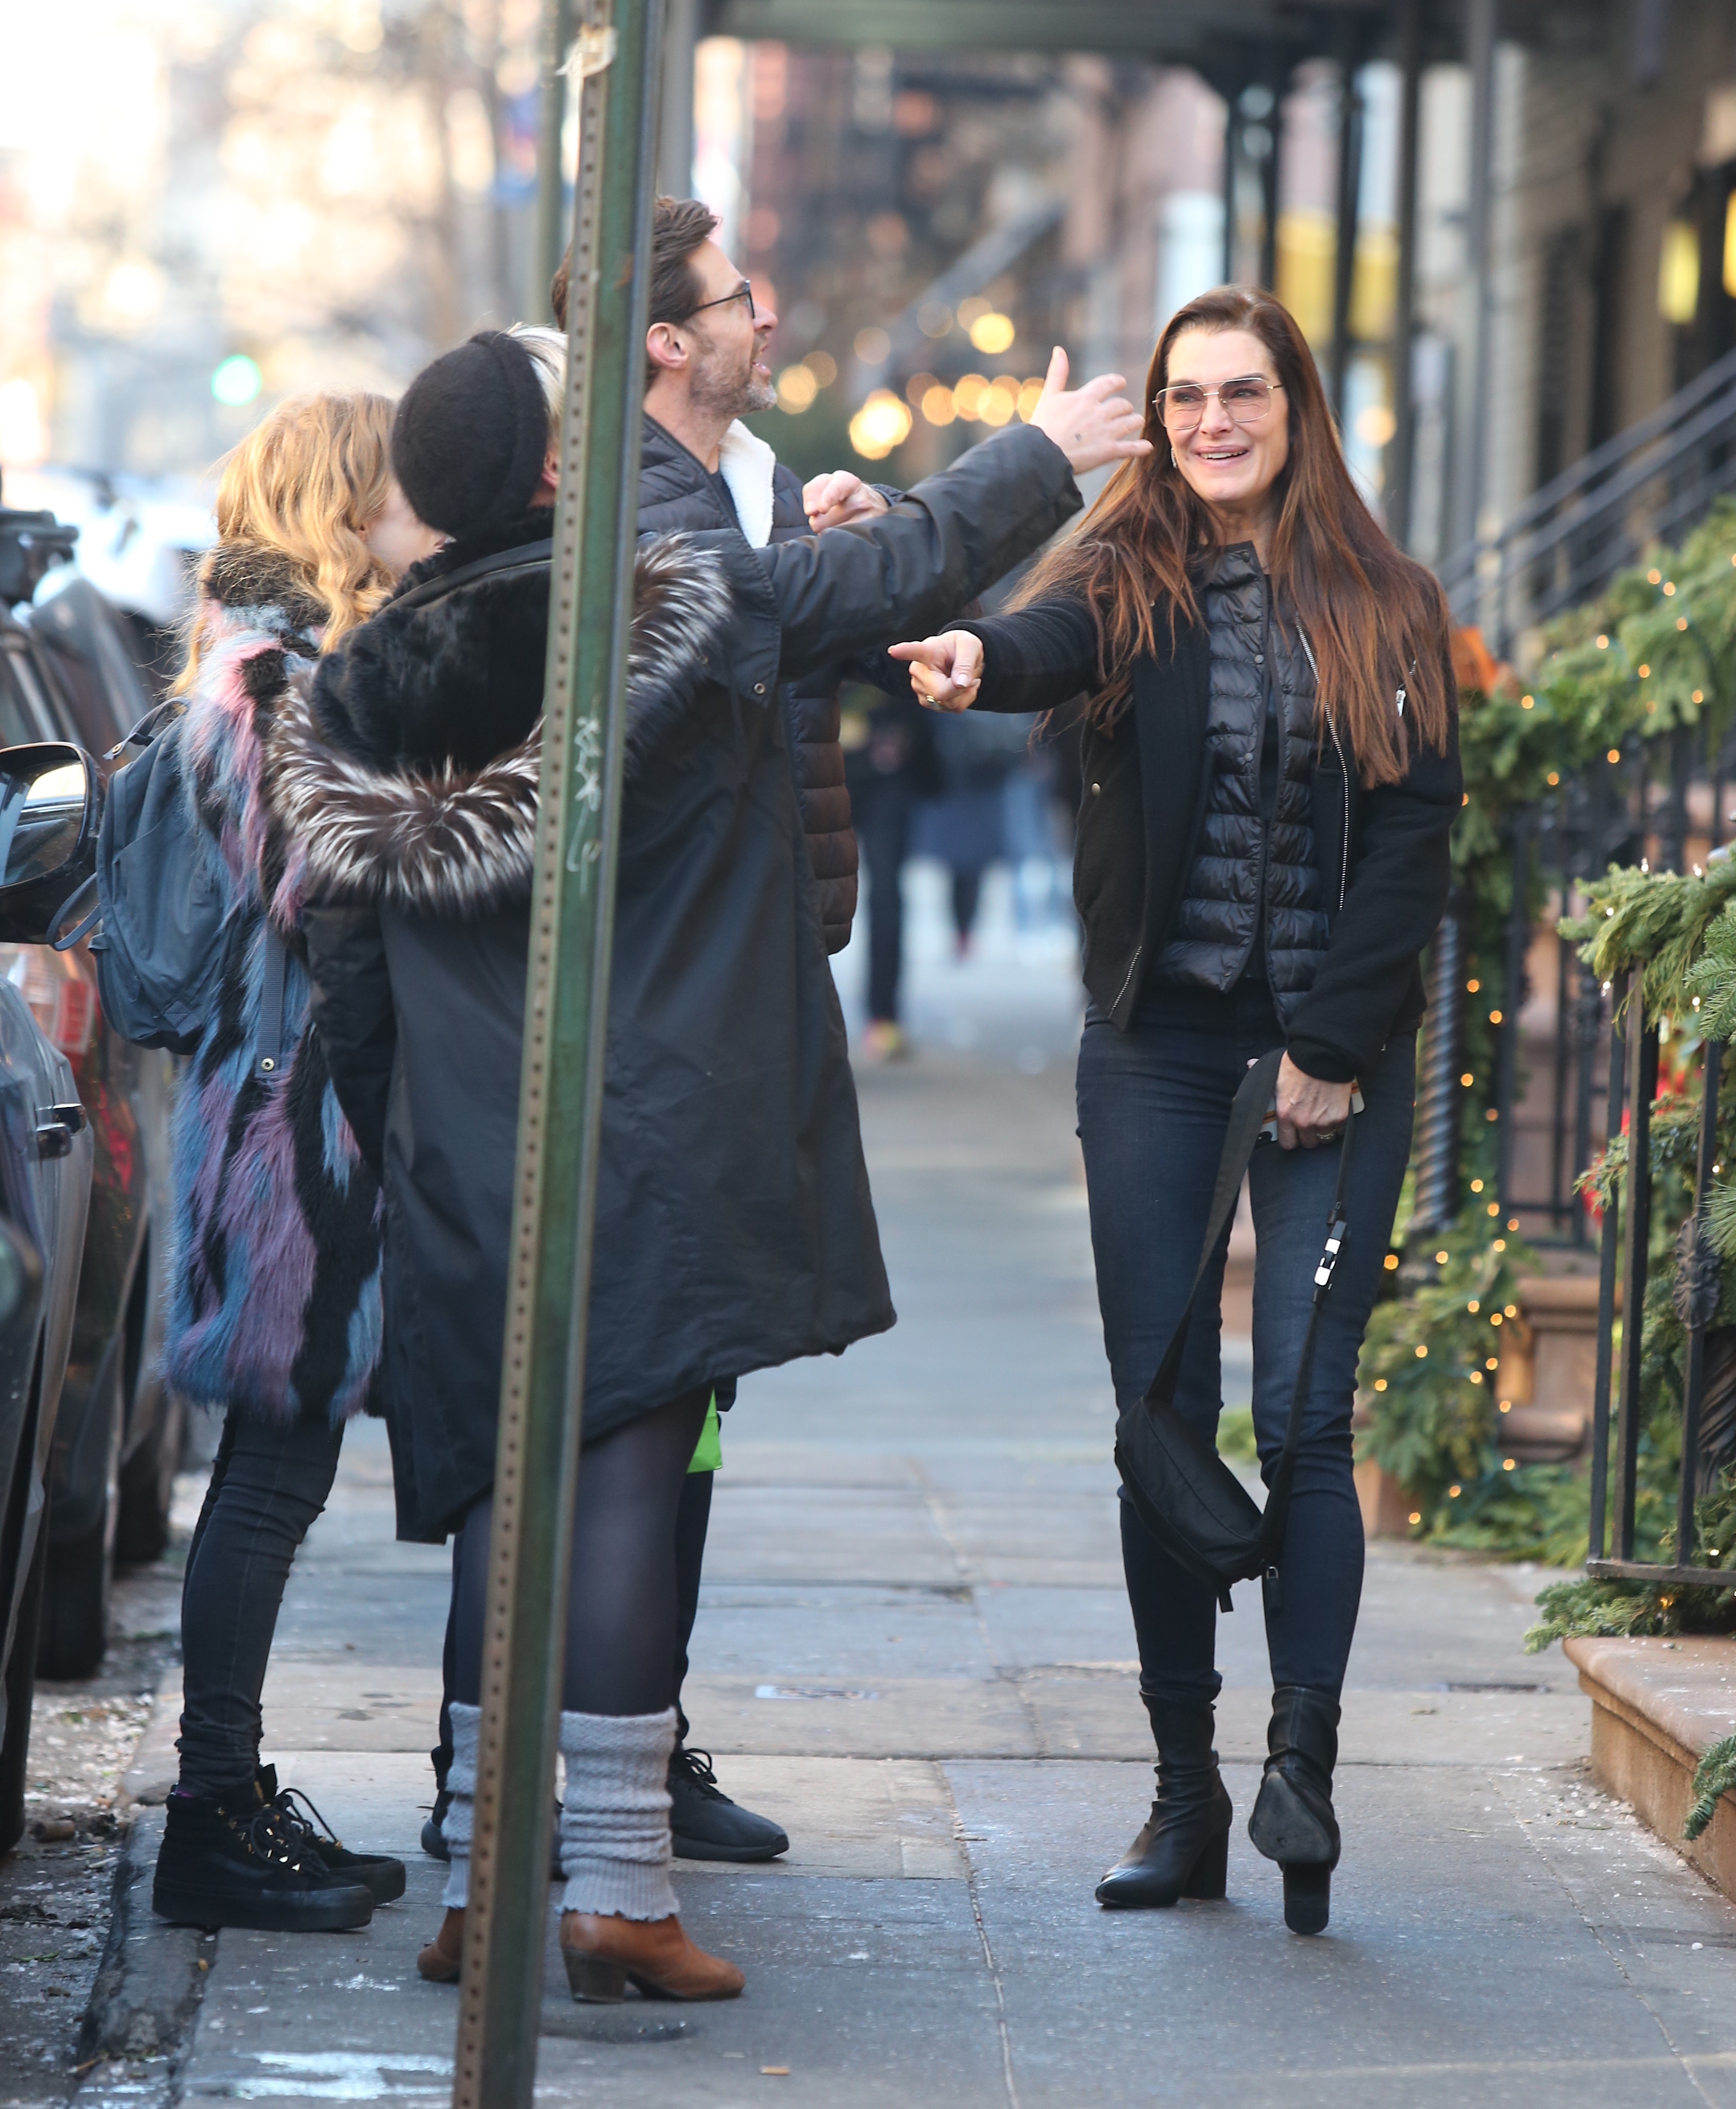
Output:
x=882 y=423
x=236 y=382
x=993 y=333
x=796 y=390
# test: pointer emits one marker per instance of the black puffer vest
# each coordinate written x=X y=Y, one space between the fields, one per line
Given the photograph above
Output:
x=1255 y=880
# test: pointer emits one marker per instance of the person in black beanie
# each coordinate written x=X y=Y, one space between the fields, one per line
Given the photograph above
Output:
x=735 y=1230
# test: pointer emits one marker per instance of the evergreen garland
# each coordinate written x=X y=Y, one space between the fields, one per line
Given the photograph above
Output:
x=1658 y=650
x=1714 y=1777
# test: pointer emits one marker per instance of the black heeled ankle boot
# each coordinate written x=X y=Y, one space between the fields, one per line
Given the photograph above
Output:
x=1292 y=1823
x=1183 y=1850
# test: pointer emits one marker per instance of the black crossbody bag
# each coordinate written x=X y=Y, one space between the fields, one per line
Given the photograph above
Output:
x=1185 y=1496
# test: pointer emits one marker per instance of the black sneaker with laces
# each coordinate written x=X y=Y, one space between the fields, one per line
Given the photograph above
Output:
x=378 y=1873
x=235 y=1859
x=706 y=1823
x=434 y=1838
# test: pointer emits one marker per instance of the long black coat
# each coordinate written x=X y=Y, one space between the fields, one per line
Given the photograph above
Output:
x=735 y=1229
x=1384 y=854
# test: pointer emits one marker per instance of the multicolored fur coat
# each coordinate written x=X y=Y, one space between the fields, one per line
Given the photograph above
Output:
x=275 y=1292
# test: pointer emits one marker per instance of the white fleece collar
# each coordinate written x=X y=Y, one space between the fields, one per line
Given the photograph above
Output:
x=747 y=464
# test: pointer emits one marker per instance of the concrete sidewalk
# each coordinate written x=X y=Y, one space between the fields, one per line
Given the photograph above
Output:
x=915 y=1651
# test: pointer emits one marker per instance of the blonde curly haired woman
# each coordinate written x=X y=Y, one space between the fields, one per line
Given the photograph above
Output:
x=275 y=1289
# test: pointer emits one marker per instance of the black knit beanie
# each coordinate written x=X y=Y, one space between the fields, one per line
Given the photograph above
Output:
x=471 y=435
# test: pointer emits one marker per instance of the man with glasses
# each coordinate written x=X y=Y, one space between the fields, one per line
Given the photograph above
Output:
x=701 y=468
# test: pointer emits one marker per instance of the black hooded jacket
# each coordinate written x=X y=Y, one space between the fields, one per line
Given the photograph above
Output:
x=735 y=1229
x=677 y=495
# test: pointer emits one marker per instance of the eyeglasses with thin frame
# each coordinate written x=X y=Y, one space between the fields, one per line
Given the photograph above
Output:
x=744 y=291
x=1246 y=400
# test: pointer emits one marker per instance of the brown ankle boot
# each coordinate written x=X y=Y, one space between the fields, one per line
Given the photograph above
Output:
x=602 y=1954
x=441 y=1960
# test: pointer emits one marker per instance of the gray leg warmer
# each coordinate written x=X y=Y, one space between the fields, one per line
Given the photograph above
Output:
x=461 y=1783
x=615 y=1834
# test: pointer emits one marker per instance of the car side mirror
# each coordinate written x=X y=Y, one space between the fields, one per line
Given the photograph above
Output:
x=51 y=808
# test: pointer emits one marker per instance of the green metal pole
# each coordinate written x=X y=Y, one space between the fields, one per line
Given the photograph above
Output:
x=565 y=1026
x=549 y=230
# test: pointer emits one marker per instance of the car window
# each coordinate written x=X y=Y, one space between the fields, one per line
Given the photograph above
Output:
x=89 y=664
x=26 y=714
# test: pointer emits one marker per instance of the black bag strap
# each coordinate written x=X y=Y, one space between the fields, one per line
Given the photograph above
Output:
x=1248 y=1114
x=527 y=557
x=86 y=907
x=150 y=728
x=268 y=1050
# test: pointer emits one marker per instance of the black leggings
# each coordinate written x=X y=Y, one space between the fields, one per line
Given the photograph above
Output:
x=692 y=1520
x=621 y=1618
x=268 y=1483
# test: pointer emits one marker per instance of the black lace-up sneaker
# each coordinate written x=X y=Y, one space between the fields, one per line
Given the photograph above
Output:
x=434 y=1838
x=382 y=1876
x=235 y=1859
x=706 y=1823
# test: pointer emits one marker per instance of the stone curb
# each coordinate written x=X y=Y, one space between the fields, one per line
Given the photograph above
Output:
x=1657 y=1708
x=152 y=1975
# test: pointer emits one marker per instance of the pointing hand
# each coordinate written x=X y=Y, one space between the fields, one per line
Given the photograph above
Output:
x=946 y=671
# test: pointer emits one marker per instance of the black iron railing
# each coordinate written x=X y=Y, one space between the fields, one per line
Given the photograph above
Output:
x=1569 y=540
x=1663 y=804
x=1624 y=1255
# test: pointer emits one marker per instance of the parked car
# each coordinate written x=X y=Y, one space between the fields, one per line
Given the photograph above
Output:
x=46 y=1156
x=67 y=674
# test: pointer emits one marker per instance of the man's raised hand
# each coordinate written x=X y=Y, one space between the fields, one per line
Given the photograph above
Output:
x=1092 y=425
x=946 y=671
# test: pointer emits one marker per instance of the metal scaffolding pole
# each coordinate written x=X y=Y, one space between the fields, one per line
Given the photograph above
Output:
x=1480 y=40
x=566 y=1025
x=1401 y=453
x=675 y=143
x=1349 y=199
x=549 y=236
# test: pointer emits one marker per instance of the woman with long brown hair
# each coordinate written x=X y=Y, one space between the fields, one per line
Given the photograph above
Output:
x=1270 y=770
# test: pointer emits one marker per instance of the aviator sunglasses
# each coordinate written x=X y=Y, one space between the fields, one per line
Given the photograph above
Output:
x=1245 y=400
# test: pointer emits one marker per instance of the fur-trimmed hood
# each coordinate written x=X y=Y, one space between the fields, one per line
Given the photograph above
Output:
x=377 y=816
x=263 y=589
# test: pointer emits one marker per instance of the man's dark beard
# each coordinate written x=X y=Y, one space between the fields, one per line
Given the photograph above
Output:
x=726 y=394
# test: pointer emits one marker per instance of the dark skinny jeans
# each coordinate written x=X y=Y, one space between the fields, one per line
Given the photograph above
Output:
x=268 y=1483
x=1153 y=1105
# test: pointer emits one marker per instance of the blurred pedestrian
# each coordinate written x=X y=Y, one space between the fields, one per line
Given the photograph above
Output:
x=274 y=1313
x=1271 y=769
x=891 y=767
x=966 y=826
x=734 y=1228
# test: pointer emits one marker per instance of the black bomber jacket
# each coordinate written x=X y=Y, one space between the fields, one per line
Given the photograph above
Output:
x=1383 y=853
